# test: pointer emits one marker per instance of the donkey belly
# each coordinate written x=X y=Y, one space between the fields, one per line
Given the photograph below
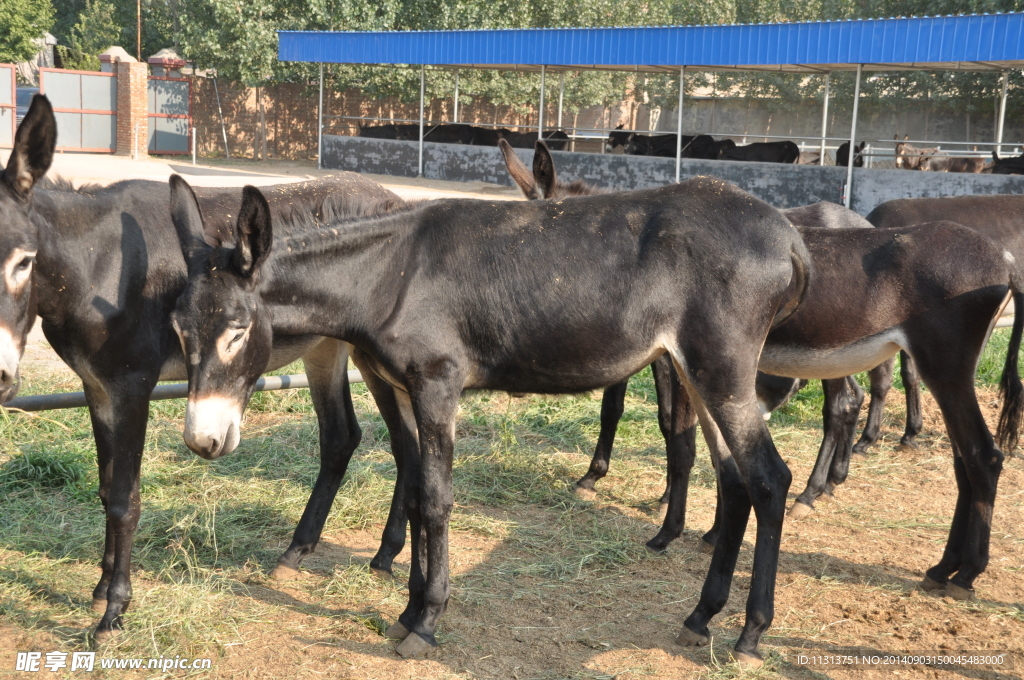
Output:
x=796 y=361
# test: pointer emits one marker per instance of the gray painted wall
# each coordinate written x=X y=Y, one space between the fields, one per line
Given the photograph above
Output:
x=784 y=186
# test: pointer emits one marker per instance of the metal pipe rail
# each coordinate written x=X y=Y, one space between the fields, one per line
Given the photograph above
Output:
x=51 y=402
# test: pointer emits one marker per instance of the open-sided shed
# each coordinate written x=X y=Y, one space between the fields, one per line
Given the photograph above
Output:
x=989 y=42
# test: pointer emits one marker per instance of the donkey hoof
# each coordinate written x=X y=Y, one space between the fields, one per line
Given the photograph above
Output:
x=103 y=636
x=99 y=606
x=800 y=510
x=414 y=647
x=959 y=592
x=748 y=660
x=707 y=548
x=383 y=574
x=283 y=572
x=586 y=494
x=396 y=631
x=930 y=585
x=688 y=638
x=907 y=447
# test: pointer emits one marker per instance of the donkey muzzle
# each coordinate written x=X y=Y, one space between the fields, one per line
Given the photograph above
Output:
x=212 y=425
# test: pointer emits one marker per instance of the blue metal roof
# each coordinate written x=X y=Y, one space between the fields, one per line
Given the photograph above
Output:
x=974 y=42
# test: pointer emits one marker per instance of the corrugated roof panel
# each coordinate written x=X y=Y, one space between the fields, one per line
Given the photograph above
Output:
x=996 y=39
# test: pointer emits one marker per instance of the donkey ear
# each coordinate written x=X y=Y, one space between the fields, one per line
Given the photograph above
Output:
x=188 y=221
x=860 y=147
x=619 y=126
x=995 y=155
x=543 y=169
x=33 y=147
x=906 y=137
x=896 y=136
x=254 y=234
x=520 y=175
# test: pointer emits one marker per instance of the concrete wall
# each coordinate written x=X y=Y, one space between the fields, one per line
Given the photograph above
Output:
x=784 y=186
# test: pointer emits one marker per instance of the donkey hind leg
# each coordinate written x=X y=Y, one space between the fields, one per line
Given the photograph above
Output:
x=751 y=474
x=119 y=426
x=611 y=411
x=881 y=383
x=912 y=388
x=839 y=414
x=327 y=369
x=435 y=402
x=668 y=387
x=978 y=464
x=681 y=449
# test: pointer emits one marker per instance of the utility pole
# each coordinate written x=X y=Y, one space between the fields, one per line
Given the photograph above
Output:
x=138 y=29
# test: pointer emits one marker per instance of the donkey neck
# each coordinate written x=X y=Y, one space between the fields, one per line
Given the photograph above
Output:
x=338 y=280
x=103 y=249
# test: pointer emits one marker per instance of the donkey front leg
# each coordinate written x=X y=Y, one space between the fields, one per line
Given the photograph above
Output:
x=611 y=411
x=435 y=402
x=839 y=413
x=327 y=368
x=119 y=426
x=881 y=383
x=681 y=449
x=912 y=388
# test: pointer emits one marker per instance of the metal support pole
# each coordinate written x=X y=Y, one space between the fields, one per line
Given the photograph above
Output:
x=853 y=135
x=320 y=124
x=540 y=116
x=223 y=129
x=455 y=110
x=1002 y=113
x=679 y=125
x=824 y=121
x=561 y=97
x=423 y=91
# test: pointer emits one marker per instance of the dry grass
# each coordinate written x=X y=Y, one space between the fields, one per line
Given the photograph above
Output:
x=544 y=585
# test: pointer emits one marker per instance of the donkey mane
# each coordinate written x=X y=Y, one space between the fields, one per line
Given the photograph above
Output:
x=297 y=223
x=61 y=183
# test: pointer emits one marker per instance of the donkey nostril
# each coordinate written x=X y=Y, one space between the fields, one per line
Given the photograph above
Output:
x=5 y=378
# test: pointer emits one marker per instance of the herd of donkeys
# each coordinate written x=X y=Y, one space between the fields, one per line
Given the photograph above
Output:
x=703 y=147
x=734 y=303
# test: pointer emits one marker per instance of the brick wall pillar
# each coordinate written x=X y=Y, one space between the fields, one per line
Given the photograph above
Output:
x=132 y=108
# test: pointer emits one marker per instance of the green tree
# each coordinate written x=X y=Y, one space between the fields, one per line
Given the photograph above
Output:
x=96 y=30
x=21 y=22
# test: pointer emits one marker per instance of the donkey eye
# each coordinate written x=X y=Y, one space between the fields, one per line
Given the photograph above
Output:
x=239 y=334
x=24 y=264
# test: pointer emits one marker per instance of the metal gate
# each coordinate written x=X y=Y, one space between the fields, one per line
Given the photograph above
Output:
x=8 y=105
x=170 y=115
x=85 y=105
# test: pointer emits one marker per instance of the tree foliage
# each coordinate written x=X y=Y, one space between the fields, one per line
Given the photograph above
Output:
x=96 y=30
x=21 y=22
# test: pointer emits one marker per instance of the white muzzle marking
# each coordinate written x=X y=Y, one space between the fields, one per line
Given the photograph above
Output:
x=213 y=425
x=10 y=353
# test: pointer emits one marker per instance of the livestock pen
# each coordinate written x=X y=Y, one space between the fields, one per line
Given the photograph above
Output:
x=981 y=43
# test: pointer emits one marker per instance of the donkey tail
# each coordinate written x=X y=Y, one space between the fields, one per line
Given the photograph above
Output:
x=801 y=280
x=1010 y=388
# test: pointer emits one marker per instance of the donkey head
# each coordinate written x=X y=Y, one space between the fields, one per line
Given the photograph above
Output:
x=617 y=137
x=543 y=182
x=224 y=328
x=905 y=158
x=30 y=158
